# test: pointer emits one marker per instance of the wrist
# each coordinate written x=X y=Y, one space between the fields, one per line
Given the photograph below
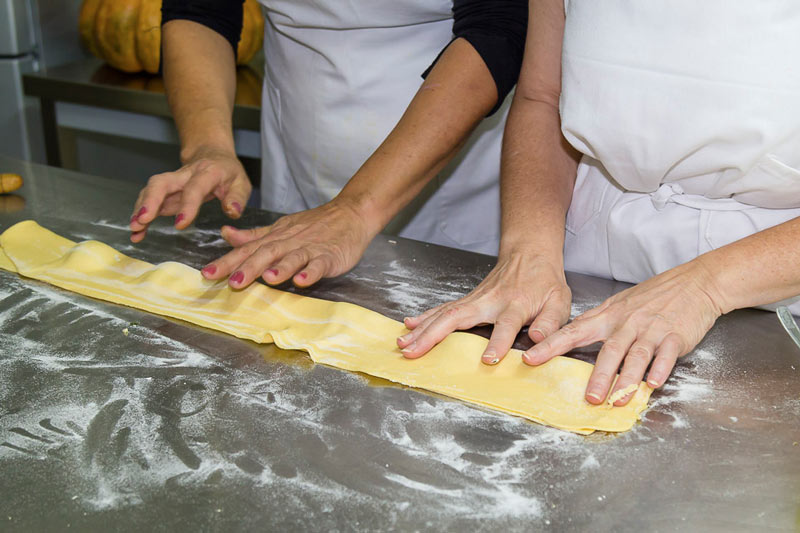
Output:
x=362 y=212
x=208 y=148
x=708 y=274
x=541 y=247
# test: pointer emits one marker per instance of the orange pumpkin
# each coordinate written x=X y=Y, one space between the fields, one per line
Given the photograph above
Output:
x=127 y=33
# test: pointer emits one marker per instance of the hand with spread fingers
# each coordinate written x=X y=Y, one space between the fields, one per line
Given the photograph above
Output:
x=307 y=246
x=519 y=291
x=655 y=321
x=211 y=174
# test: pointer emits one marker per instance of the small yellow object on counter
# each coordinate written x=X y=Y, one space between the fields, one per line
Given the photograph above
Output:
x=338 y=334
x=10 y=183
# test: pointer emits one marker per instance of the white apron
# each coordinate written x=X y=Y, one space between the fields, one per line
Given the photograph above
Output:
x=688 y=116
x=338 y=77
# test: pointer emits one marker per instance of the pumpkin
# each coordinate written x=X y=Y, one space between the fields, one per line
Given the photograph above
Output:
x=127 y=33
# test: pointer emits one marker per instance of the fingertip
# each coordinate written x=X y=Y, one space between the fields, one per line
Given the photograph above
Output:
x=208 y=271
x=271 y=276
x=490 y=358
x=233 y=210
x=236 y=279
x=594 y=398
x=412 y=351
x=404 y=340
x=532 y=357
x=411 y=322
x=536 y=335
x=301 y=279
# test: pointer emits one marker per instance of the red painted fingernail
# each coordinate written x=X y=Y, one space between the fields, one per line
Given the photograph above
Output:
x=237 y=277
x=237 y=206
x=303 y=275
x=273 y=271
x=141 y=212
x=178 y=218
x=210 y=270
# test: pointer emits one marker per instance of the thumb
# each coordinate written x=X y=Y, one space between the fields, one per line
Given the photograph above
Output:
x=235 y=200
x=553 y=315
x=238 y=237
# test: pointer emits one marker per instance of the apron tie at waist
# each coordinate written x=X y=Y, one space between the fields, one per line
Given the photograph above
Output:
x=664 y=194
x=672 y=192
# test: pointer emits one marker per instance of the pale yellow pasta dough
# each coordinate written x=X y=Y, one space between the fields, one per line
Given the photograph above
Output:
x=338 y=334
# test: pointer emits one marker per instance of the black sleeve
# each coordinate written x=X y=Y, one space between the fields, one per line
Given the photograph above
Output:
x=222 y=16
x=496 y=29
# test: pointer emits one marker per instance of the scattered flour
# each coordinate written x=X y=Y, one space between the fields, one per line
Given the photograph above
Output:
x=590 y=462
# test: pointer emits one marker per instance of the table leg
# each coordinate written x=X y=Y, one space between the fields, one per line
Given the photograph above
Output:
x=50 y=129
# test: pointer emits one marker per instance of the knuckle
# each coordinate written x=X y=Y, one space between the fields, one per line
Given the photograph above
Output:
x=546 y=324
x=509 y=321
x=571 y=330
x=639 y=354
x=250 y=248
x=156 y=180
x=452 y=312
x=613 y=345
x=601 y=376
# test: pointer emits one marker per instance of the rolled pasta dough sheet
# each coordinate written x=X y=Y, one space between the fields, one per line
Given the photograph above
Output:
x=338 y=334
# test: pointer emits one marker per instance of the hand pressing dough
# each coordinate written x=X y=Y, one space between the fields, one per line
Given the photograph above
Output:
x=338 y=334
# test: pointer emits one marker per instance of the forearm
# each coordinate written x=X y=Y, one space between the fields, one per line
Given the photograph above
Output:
x=538 y=175
x=200 y=79
x=538 y=166
x=756 y=270
x=454 y=98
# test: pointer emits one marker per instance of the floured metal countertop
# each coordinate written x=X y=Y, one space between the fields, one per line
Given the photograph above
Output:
x=114 y=419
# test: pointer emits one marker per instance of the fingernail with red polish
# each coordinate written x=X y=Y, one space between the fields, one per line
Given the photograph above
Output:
x=303 y=275
x=210 y=270
x=237 y=206
x=178 y=218
x=237 y=277
x=273 y=271
x=141 y=212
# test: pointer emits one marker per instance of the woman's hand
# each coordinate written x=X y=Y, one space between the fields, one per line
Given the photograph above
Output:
x=658 y=320
x=520 y=290
x=322 y=242
x=210 y=173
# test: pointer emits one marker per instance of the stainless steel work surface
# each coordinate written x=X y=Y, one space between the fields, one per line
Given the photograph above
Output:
x=115 y=419
x=93 y=82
